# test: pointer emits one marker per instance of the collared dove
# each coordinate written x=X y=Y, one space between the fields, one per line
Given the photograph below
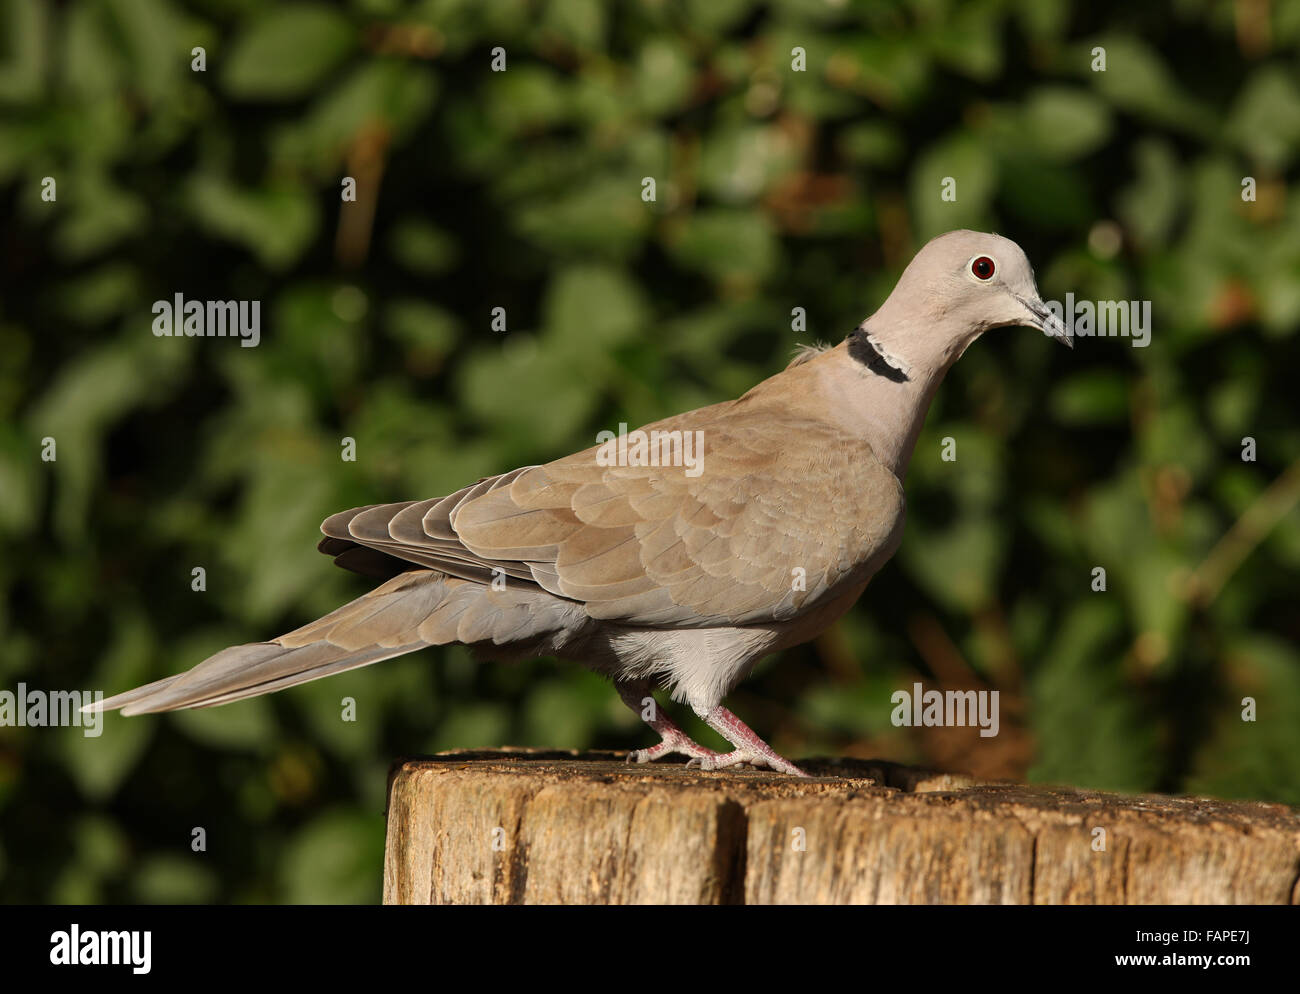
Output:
x=685 y=576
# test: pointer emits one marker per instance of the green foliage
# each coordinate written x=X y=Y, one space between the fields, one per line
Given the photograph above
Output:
x=775 y=189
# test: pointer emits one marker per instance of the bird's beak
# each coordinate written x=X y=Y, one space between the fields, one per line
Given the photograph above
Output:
x=1047 y=322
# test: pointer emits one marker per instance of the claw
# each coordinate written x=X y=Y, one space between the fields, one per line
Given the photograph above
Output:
x=721 y=761
x=749 y=748
x=671 y=743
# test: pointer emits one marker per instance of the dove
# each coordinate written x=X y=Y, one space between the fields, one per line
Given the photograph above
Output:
x=651 y=568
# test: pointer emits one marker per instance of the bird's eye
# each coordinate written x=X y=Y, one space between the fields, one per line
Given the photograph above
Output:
x=982 y=267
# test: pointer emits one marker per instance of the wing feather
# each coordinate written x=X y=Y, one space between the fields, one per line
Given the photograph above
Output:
x=784 y=509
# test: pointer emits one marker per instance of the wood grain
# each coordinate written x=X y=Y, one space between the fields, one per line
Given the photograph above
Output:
x=531 y=827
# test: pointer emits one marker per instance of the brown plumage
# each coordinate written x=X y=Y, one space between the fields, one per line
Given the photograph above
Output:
x=681 y=574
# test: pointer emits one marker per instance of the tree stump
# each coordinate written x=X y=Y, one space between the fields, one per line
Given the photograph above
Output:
x=522 y=826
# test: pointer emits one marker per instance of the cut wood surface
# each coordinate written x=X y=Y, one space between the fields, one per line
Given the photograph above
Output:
x=518 y=826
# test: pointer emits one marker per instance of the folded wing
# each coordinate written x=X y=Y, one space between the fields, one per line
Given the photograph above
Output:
x=776 y=512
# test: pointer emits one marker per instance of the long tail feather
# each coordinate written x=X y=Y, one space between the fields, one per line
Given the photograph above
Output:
x=415 y=609
x=377 y=626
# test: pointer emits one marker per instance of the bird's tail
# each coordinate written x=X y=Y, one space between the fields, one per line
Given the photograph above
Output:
x=409 y=612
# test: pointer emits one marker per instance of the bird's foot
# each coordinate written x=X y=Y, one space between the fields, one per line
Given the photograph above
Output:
x=720 y=761
x=749 y=748
x=673 y=743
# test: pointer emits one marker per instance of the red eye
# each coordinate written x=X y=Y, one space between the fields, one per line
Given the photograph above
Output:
x=982 y=268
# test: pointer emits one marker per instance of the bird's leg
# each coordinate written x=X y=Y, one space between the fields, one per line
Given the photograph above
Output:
x=672 y=738
x=749 y=747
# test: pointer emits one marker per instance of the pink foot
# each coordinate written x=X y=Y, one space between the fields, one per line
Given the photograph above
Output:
x=737 y=756
x=674 y=743
x=671 y=738
x=749 y=747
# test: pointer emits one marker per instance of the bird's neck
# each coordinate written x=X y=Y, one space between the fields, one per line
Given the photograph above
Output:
x=881 y=399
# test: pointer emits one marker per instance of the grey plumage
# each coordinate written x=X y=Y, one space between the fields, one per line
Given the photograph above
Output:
x=645 y=572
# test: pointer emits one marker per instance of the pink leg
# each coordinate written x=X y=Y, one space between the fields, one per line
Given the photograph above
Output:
x=749 y=747
x=671 y=738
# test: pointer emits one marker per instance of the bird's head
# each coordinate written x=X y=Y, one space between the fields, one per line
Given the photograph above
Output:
x=984 y=281
x=957 y=287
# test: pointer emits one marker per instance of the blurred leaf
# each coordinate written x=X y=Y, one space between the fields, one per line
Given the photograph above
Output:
x=1065 y=123
x=26 y=26
x=425 y=329
x=726 y=244
x=274 y=223
x=422 y=248
x=336 y=859
x=1096 y=397
x=151 y=33
x=738 y=164
x=558 y=714
x=1092 y=729
x=285 y=52
x=377 y=104
x=474 y=725
x=20 y=482
x=967 y=162
x=506 y=387
x=103 y=215
x=956 y=565
x=1248 y=759
x=1266 y=119
x=99 y=764
x=90 y=393
x=663 y=81
x=1137 y=79
x=1149 y=206
x=605 y=217
x=968 y=41
x=171 y=879
x=591 y=309
x=578 y=22
x=873 y=143
x=242 y=725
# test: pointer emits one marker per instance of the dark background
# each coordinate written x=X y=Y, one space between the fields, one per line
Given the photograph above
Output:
x=776 y=189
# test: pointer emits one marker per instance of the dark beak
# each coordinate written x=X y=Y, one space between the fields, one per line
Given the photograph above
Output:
x=1047 y=322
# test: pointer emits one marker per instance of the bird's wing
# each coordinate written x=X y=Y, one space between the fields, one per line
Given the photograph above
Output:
x=783 y=508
